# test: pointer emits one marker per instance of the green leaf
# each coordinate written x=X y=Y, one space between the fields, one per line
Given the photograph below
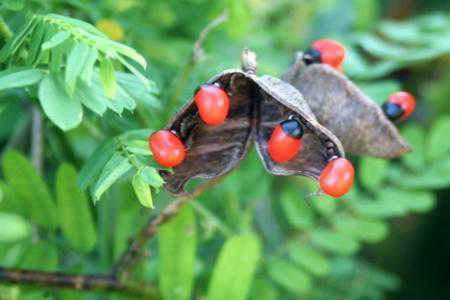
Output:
x=30 y=188
x=324 y=204
x=88 y=68
x=289 y=276
x=106 y=45
x=76 y=62
x=57 y=55
x=73 y=210
x=135 y=71
x=396 y=202
x=108 y=77
x=434 y=176
x=263 y=290
x=137 y=90
x=142 y=190
x=96 y=89
x=415 y=201
x=16 y=41
x=239 y=253
x=55 y=40
x=37 y=38
x=20 y=78
x=9 y=201
x=177 y=249
x=372 y=172
x=415 y=135
x=15 y=228
x=297 y=212
x=90 y=98
x=64 y=111
x=95 y=163
x=76 y=23
x=42 y=256
x=361 y=229
x=380 y=48
x=438 y=144
x=382 y=207
x=113 y=170
x=334 y=242
x=310 y=259
x=151 y=176
x=138 y=147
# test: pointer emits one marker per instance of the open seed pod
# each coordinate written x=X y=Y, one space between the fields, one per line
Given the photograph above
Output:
x=257 y=105
x=277 y=102
x=343 y=108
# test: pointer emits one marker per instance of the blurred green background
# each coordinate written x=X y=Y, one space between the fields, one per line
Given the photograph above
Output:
x=387 y=240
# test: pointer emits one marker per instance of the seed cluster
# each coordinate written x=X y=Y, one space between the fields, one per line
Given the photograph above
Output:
x=285 y=142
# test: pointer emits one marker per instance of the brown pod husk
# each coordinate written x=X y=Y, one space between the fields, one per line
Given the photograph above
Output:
x=278 y=102
x=343 y=108
x=257 y=105
x=212 y=151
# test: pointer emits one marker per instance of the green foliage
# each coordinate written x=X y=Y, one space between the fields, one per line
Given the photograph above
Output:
x=16 y=228
x=22 y=77
x=73 y=210
x=254 y=236
x=115 y=158
x=177 y=247
x=61 y=54
x=234 y=268
x=64 y=111
x=288 y=276
x=399 y=44
x=30 y=189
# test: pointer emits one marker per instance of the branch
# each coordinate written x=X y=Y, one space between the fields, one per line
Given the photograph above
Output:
x=130 y=257
x=197 y=51
x=37 y=144
x=76 y=282
x=197 y=54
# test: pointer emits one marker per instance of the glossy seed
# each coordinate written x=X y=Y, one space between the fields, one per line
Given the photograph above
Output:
x=332 y=53
x=285 y=141
x=337 y=177
x=406 y=101
x=167 y=149
x=213 y=104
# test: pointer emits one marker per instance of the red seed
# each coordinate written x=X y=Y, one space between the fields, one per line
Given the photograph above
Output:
x=337 y=177
x=213 y=104
x=406 y=101
x=282 y=146
x=332 y=53
x=167 y=148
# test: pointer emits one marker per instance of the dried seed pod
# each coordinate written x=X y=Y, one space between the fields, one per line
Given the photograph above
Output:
x=343 y=108
x=277 y=102
x=257 y=105
x=212 y=151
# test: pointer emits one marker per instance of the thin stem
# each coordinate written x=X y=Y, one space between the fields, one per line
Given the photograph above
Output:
x=19 y=134
x=130 y=257
x=223 y=228
x=37 y=141
x=196 y=55
x=76 y=282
